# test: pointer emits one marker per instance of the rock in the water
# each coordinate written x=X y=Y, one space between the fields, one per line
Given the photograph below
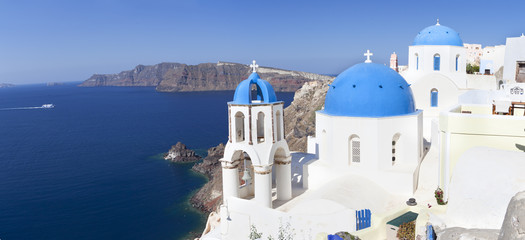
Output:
x=209 y=197
x=179 y=153
x=514 y=224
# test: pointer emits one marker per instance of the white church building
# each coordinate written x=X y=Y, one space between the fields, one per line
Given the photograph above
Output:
x=369 y=127
x=436 y=70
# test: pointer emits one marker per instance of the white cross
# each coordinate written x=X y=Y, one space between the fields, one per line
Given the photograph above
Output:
x=254 y=66
x=437 y=22
x=368 y=54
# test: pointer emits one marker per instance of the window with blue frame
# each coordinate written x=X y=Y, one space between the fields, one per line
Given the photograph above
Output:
x=436 y=62
x=434 y=97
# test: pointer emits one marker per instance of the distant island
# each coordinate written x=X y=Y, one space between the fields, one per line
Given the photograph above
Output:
x=52 y=84
x=6 y=85
x=178 y=77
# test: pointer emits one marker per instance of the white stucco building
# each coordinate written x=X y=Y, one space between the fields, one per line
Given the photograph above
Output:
x=492 y=59
x=436 y=71
x=369 y=127
x=514 y=70
x=484 y=118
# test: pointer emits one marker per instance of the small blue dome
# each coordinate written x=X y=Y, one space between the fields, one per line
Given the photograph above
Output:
x=243 y=93
x=369 y=90
x=438 y=35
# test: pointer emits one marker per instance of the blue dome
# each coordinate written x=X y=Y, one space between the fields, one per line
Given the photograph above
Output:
x=369 y=90
x=243 y=93
x=438 y=35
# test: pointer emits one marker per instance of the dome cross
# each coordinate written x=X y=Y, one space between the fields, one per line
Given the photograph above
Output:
x=367 y=55
x=254 y=66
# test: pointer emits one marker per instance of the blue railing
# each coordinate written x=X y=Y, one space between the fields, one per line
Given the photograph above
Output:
x=362 y=219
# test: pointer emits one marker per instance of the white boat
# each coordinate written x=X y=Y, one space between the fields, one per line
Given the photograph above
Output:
x=48 y=106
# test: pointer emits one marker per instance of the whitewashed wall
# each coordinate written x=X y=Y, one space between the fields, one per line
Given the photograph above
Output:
x=376 y=135
x=426 y=63
x=240 y=214
x=515 y=51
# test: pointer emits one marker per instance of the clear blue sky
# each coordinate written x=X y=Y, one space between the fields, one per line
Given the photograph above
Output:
x=43 y=41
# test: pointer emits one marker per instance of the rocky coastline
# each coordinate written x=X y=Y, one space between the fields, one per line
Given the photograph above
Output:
x=178 y=77
x=209 y=196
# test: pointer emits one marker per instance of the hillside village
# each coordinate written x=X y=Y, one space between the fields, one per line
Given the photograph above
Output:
x=424 y=150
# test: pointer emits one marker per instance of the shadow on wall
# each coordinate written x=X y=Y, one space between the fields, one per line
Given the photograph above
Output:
x=520 y=147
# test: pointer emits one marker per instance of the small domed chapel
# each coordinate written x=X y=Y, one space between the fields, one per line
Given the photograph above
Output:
x=436 y=71
x=369 y=127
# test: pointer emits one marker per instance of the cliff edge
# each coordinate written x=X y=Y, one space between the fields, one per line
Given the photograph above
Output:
x=209 y=197
x=299 y=117
x=178 y=77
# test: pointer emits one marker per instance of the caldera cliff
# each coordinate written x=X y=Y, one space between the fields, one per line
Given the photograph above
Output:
x=178 y=77
x=299 y=117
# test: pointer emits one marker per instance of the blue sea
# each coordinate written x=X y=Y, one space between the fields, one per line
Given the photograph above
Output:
x=92 y=167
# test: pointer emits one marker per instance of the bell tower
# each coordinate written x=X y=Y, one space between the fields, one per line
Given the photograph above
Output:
x=256 y=144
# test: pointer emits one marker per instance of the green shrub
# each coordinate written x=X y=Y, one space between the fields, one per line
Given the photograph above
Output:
x=471 y=69
x=253 y=233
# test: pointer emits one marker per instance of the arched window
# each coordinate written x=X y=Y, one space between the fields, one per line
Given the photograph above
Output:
x=354 y=149
x=417 y=62
x=434 y=97
x=239 y=127
x=437 y=61
x=457 y=62
x=260 y=127
x=278 y=125
x=395 y=140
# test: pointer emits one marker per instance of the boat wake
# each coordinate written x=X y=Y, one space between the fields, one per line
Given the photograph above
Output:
x=24 y=108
